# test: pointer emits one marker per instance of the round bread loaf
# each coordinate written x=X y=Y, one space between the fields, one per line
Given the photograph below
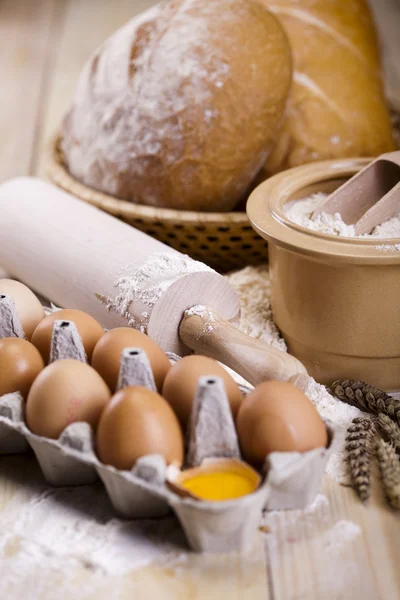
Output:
x=337 y=106
x=180 y=107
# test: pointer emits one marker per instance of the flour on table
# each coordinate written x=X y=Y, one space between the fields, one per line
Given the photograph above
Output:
x=341 y=414
x=316 y=516
x=147 y=283
x=77 y=526
x=310 y=535
x=319 y=508
x=252 y=285
x=333 y=549
x=300 y=212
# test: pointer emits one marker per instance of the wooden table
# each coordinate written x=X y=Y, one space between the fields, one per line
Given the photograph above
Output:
x=338 y=549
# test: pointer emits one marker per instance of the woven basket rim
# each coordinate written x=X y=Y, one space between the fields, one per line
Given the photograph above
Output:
x=57 y=172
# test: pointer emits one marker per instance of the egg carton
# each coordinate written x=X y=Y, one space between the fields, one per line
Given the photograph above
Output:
x=141 y=492
x=290 y=480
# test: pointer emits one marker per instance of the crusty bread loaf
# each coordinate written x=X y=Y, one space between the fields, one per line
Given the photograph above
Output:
x=181 y=106
x=336 y=107
x=387 y=19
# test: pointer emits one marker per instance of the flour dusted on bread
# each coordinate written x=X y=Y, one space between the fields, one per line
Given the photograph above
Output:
x=336 y=107
x=181 y=106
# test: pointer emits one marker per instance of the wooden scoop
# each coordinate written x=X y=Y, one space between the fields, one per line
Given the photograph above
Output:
x=369 y=198
x=77 y=255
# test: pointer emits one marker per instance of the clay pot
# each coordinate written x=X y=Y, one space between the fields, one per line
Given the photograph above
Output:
x=336 y=300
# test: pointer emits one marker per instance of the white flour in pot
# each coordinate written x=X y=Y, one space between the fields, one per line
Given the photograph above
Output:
x=300 y=211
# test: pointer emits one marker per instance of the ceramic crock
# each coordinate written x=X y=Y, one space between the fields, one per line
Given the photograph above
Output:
x=336 y=300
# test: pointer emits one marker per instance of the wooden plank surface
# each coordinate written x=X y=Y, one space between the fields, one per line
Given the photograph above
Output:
x=86 y=26
x=30 y=570
x=336 y=549
x=26 y=37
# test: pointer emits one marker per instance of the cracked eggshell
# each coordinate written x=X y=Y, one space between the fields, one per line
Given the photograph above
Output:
x=135 y=423
x=20 y=364
x=215 y=480
x=88 y=328
x=65 y=392
x=29 y=309
x=181 y=383
x=108 y=351
x=278 y=417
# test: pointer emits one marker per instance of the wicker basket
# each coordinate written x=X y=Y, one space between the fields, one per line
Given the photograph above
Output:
x=225 y=241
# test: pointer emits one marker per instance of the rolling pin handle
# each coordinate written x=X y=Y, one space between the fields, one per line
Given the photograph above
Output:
x=206 y=332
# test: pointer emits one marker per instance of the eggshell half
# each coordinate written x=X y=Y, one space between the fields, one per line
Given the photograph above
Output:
x=181 y=383
x=29 y=309
x=65 y=392
x=277 y=417
x=135 y=423
x=20 y=364
x=89 y=330
x=107 y=355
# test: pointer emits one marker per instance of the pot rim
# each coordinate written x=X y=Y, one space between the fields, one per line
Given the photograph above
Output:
x=266 y=215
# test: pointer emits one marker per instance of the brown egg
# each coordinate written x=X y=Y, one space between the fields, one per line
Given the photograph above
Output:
x=89 y=330
x=65 y=392
x=20 y=364
x=181 y=383
x=277 y=417
x=29 y=309
x=107 y=355
x=135 y=423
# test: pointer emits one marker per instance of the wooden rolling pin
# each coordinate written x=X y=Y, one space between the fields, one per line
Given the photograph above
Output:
x=80 y=257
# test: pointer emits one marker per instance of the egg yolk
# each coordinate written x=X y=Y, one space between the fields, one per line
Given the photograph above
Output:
x=219 y=486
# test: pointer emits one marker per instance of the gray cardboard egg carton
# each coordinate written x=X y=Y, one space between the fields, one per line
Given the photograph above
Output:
x=290 y=480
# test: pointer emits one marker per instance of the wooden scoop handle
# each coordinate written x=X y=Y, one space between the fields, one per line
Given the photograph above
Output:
x=370 y=197
x=207 y=333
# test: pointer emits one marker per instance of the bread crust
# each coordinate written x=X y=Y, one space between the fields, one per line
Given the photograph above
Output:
x=181 y=107
x=337 y=106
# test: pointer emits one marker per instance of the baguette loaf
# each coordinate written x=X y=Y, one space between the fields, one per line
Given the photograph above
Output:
x=181 y=106
x=337 y=106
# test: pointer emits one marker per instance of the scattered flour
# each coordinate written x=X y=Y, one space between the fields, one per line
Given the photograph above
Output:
x=341 y=534
x=252 y=285
x=300 y=212
x=207 y=315
x=319 y=546
x=128 y=103
x=334 y=548
x=147 y=283
x=319 y=508
x=64 y=529
x=341 y=414
x=388 y=247
x=316 y=523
